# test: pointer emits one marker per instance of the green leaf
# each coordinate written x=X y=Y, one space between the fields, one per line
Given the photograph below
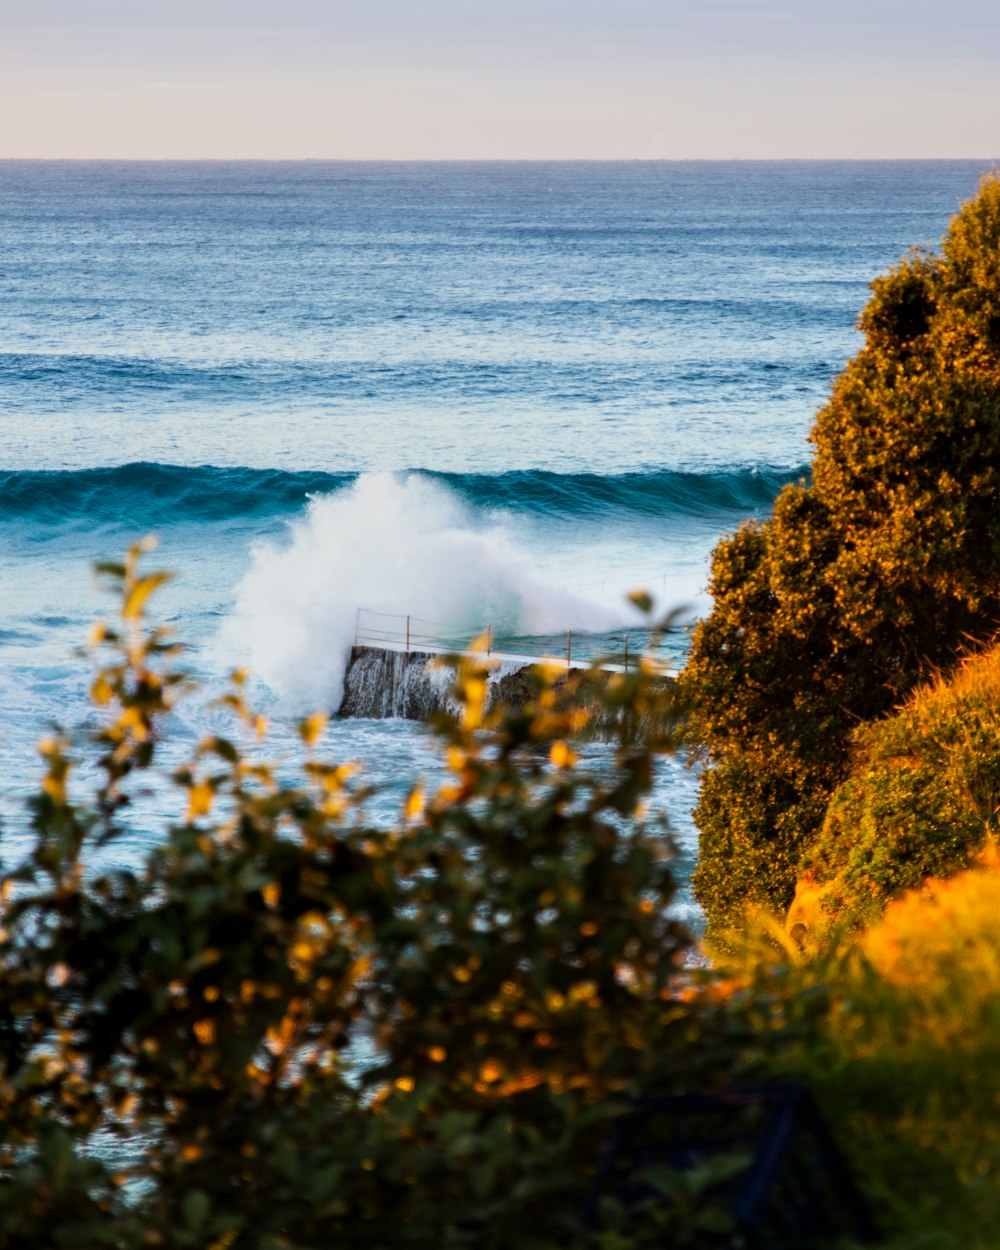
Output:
x=195 y=1207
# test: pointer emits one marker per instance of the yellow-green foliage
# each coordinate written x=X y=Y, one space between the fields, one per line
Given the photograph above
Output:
x=865 y=581
x=286 y=1027
x=922 y=798
x=897 y=1031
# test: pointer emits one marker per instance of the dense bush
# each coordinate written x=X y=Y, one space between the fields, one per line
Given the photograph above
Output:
x=862 y=583
x=897 y=1031
x=282 y=1027
x=922 y=798
x=285 y=1027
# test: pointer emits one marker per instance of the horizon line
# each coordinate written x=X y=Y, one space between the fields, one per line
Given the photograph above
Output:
x=491 y=160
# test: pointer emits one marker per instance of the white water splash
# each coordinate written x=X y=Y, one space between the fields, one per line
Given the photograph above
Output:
x=390 y=544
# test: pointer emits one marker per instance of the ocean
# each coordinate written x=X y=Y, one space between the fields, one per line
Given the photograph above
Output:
x=477 y=393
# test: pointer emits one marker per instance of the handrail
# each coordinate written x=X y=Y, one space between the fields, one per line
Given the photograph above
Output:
x=409 y=639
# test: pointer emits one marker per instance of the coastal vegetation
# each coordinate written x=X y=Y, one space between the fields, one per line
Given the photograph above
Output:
x=896 y=1031
x=866 y=581
x=922 y=798
x=285 y=1026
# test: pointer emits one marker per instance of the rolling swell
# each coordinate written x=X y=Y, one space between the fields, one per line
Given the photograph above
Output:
x=657 y=492
x=144 y=493
x=163 y=494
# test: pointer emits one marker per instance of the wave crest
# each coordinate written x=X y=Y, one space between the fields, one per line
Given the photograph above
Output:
x=144 y=495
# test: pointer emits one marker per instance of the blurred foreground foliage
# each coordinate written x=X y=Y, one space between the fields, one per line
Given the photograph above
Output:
x=285 y=1027
x=896 y=1029
x=288 y=1027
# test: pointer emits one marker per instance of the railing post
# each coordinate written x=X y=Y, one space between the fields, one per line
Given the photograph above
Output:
x=626 y=653
x=569 y=650
x=489 y=639
x=407 y=635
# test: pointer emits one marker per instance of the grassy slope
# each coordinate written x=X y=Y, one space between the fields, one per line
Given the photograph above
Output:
x=921 y=801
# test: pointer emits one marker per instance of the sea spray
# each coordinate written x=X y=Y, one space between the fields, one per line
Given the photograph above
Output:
x=397 y=544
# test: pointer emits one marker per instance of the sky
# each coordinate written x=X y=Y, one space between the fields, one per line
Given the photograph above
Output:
x=499 y=79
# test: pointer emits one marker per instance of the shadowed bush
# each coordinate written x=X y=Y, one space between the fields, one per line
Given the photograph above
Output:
x=283 y=1027
x=863 y=583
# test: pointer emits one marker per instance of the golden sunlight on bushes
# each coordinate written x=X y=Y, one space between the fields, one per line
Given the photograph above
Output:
x=864 y=582
x=896 y=1028
x=921 y=800
x=944 y=939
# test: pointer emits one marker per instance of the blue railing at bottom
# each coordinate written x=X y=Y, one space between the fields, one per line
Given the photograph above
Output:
x=790 y=1188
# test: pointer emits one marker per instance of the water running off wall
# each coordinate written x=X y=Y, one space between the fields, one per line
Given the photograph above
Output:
x=398 y=668
x=414 y=685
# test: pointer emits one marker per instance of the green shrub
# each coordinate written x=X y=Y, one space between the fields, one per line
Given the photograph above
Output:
x=285 y=1027
x=897 y=1032
x=923 y=795
x=864 y=582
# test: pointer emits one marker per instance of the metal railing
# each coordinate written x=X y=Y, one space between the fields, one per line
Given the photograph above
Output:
x=399 y=631
x=374 y=629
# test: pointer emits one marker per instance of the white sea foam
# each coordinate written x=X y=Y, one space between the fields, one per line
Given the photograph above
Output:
x=390 y=544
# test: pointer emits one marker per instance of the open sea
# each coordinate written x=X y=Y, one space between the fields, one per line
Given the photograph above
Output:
x=478 y=393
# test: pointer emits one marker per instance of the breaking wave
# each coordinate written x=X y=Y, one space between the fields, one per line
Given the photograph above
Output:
x=154 y=495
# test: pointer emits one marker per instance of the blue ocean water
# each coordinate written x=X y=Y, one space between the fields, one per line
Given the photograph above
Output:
x=485 y=391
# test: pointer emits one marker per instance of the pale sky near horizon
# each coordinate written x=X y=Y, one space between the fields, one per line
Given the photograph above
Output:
x=503 y=79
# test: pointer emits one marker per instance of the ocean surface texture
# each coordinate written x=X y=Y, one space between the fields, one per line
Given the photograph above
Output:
x=475 y=393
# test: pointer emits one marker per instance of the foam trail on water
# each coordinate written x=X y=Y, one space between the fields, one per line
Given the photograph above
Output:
x=393 y=544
